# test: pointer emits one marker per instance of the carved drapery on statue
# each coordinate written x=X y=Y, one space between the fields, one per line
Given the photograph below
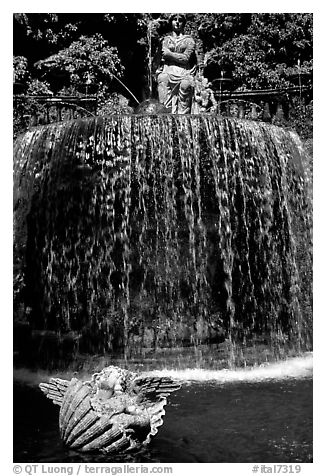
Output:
x=176 y=78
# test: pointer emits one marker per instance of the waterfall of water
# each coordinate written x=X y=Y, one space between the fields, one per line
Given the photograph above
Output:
x=154 y=231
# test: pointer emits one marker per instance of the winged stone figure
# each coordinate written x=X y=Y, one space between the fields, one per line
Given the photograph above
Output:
x=116 y=411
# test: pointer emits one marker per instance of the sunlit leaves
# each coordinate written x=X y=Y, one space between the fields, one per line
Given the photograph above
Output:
x=257 y=50
x=88 y=60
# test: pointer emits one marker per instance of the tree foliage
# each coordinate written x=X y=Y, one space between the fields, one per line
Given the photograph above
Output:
x=259 y=50
x=87 y=61
x=234 y=40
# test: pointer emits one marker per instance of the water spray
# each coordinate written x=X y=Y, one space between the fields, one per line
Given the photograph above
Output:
x=119 y=80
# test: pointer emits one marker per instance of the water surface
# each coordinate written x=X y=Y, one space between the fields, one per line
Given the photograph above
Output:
x=259 y=415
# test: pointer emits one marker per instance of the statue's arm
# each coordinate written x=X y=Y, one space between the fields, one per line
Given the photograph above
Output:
x=182 y=58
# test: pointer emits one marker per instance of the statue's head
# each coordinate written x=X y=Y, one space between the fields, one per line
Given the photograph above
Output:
x=177 y=21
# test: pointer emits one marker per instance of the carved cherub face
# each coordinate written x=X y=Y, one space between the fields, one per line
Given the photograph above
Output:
x=109 y=382
x=234 y=109
x=205 y=83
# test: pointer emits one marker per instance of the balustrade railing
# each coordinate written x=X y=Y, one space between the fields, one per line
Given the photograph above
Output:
x=43 y=109
x=270 y=105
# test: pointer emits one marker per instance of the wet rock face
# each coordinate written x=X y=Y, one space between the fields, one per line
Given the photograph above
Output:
x=161 y=230
x=151 y=106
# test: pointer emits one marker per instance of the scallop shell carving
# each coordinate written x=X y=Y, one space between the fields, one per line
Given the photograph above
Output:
x=115 y=411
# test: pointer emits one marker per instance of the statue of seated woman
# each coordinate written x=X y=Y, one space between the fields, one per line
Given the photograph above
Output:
x=176 y=76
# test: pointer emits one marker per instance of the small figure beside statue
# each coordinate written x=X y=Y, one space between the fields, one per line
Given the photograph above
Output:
x=181 y=88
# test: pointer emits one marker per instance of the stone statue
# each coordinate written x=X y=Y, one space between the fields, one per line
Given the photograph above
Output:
x=116 y=411
x=176 y=76
x=204 y=99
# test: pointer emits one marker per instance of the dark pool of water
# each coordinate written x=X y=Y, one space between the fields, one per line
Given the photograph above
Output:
x=269 y=421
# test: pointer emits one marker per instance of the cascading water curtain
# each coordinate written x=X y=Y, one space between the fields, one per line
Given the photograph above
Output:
x=152 y=231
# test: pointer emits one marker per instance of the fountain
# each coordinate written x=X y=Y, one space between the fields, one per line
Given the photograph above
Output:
x=138 y=233
x=149 y=231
